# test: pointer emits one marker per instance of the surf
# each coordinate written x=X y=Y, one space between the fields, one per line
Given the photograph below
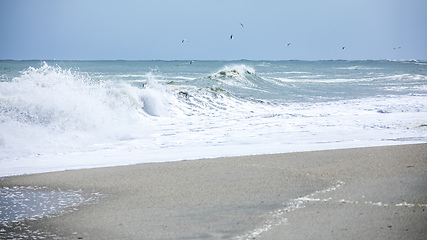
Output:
x=53 y=109
x=77 y=114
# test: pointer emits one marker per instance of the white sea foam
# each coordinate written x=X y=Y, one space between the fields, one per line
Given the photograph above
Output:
x=51 y=109
x=56 y=119
x=277 y=218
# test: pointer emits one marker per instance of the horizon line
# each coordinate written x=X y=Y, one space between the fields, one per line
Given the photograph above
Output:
x=213 y=60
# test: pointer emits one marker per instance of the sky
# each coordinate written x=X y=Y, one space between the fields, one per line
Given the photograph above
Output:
x=154 y=30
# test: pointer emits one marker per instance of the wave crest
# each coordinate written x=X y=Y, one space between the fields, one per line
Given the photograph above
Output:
x=234 y=71
x=52 y=108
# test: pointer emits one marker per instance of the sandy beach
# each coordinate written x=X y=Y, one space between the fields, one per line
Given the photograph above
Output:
x=363 y=193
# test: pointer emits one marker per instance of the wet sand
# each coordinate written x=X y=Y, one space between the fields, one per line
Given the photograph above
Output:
x=363 y=193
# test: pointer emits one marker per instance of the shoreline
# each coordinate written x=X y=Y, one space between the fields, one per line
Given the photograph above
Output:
x=374 y=192
x=29 y=166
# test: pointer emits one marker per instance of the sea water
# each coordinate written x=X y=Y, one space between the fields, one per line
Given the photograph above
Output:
x=31 y=203
x=58 y=115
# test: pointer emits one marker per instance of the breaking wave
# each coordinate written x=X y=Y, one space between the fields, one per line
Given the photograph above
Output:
x=49 y=109
x=53 y=108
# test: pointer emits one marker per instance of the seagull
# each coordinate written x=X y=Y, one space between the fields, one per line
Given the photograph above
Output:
x=231 y=37
x=397 y=48
x=289 y=44
x=344 y=47
x=191 y=62
x=184 y=40
x=242 y=25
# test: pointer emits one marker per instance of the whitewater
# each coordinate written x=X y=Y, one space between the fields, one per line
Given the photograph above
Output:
x=63 y=115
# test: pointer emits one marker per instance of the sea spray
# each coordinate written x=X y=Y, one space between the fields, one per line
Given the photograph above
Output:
x=53 y=109
x=154 y=97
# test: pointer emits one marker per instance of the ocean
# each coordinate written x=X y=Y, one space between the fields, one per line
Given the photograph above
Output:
x=62 y=115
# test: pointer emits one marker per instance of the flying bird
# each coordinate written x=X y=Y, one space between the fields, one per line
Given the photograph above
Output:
x=191 y=62
x=242 y=25
x=344 y=47
x=289 y=44
x=184 y=40
x=231 y=36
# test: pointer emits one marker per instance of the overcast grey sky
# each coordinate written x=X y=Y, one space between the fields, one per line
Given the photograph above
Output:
x=153 y=30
